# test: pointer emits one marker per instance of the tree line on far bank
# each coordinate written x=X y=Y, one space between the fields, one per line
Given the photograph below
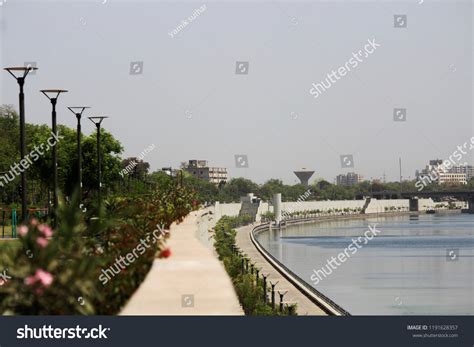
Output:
x=320 y=190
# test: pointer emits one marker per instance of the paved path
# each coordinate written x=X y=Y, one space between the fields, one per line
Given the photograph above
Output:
x=304 y=305
x=190 y=282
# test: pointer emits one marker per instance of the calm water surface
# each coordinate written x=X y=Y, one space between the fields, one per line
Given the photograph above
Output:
x=416 y=265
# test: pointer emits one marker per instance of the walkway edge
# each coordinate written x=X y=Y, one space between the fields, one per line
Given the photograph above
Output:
x=326 y=304
x=191 y=282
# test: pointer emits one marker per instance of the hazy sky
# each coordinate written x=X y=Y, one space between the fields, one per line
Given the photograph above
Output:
x=191 y=104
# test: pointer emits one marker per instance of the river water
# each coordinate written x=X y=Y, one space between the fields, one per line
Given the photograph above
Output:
x=416 y=265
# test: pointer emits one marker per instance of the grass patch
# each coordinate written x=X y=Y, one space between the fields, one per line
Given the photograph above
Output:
x=9 y=244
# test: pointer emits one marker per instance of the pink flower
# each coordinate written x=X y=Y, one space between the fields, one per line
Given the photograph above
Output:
x=22 y=230
x=34 y=222
x=46 y=230
x=42 y=242
x=30 y=280
x=44 y=277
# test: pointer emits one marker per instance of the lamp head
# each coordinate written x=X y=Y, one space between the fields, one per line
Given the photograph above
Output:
x=97 y=120
x=78 y=110
x=52 y=93
x=19 y=71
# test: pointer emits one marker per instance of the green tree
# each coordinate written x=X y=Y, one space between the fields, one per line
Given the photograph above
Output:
x=39 y=174
x=236 y=188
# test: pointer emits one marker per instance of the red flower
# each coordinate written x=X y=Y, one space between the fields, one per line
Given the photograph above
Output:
x=165 y=253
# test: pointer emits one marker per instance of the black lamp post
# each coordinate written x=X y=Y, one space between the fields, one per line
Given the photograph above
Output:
x=52 y=95
x=78 y=110
x=97 y=120
x=21 y=82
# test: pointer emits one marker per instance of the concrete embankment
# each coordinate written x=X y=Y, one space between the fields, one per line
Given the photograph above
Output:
x=293 y=296
x=374 y=206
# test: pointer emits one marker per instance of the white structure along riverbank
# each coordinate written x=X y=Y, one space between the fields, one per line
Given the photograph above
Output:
x=375 y=206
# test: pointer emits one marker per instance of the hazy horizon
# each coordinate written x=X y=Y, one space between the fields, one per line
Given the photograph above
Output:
x=190 y=103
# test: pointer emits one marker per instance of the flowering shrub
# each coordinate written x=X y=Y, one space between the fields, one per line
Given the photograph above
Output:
x=57 y=271
x=50 y=272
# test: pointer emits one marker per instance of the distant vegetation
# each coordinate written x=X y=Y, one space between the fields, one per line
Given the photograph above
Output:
x=322 y=190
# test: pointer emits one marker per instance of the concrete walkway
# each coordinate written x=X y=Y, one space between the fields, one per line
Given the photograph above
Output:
x=190 y=282
x=294 y=295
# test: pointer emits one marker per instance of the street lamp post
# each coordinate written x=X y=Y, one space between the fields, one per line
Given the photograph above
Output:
x=52 y=95
x=21 y=82
x=78 y=110
x=97 y=120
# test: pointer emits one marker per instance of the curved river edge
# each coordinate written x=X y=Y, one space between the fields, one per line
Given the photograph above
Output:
x=319 y=299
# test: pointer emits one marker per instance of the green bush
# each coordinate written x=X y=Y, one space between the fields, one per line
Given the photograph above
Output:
x=57 y=272
x=249 y=292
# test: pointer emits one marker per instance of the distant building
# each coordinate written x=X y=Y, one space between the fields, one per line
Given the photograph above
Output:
x=437 y=172
x=170 y=171
x=468 y=170
x=452 y=178
x=201 y=169
x=348 y=180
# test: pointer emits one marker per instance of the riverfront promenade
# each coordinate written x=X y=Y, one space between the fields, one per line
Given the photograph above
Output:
x=294 y=295
x=190 y=282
